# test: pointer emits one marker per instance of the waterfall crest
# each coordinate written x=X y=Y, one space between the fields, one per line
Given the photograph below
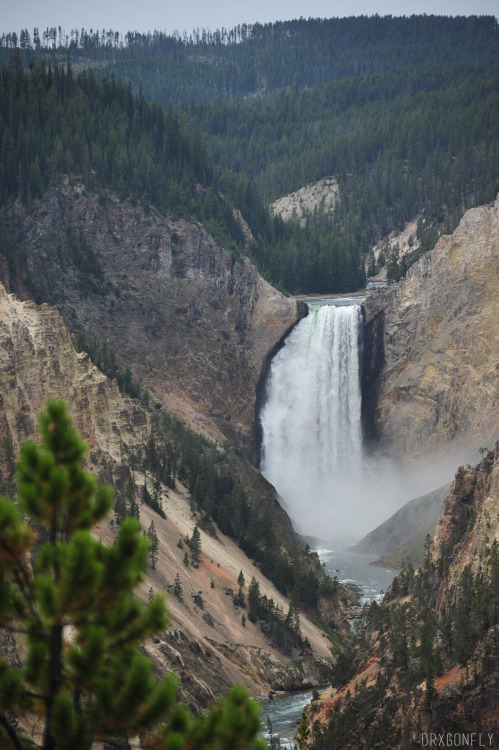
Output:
x=311 y=429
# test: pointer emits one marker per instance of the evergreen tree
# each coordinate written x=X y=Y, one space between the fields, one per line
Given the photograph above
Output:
x=153 y=544
x=74 y=580
x=177 y=587
x=7 y=458
x=84 y=674
x=430 y=690
x=303 y=732
x=120 y=510
x=494 y=581
x=254 y=600
x=195 y=545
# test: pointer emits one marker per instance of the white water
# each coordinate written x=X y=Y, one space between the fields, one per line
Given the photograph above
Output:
x=312 y=442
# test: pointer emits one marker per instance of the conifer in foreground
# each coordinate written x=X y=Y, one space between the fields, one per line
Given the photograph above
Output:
x=84 y=677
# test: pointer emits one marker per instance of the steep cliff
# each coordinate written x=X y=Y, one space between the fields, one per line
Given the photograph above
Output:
x=431 y=356
x=208 y=644
x=38 y=361
x=192 y=323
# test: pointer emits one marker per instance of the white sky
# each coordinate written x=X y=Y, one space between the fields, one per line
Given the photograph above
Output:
x=167 y=15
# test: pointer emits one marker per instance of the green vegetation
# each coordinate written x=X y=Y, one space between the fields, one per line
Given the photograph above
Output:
x=257 y=58
x=53 y=123
x=104 y=358
x=283 y=631
x=153 y=544
x=403 y=112
x=419 y=142
x=195 y=546
x=330 y=633
x=414 y=646
x=177 y=587
x=218 y=492
x=71 y=598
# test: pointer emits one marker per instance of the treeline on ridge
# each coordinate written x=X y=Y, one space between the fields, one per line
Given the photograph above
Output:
x=403 y=112
x=53 y=123
x=203 y=65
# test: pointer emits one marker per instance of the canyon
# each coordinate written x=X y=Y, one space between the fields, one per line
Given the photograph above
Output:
x=388 y=702
x=207 y=642
x=197 y=328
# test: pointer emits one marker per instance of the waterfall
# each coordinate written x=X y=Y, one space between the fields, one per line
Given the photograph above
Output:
x=311 y=430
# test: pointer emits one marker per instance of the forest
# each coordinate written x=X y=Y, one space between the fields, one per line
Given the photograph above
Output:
x=402 y=112
x=416 y=647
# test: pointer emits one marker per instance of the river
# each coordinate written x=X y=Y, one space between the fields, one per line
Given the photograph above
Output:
x=285 y=710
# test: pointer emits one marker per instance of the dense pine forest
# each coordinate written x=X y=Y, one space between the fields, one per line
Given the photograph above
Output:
x=403 y=112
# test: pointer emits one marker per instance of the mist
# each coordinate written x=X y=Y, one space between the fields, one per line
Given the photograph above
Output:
x=312 y=445
x=342 y=508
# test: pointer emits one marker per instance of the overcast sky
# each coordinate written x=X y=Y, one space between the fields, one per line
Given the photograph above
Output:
x=168 y=15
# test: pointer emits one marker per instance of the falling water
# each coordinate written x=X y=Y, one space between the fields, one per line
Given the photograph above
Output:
x=312 y=442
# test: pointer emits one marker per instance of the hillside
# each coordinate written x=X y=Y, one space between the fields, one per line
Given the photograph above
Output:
x=207 y=643
x=400 y=109
x=428 y=661
x=146 y=282
x=158 y=296
x=415 y=518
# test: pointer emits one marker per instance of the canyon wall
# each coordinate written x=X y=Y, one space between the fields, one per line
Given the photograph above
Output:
x=37 y=361
x=192 y=323
x=208 y=644
x=431 y=349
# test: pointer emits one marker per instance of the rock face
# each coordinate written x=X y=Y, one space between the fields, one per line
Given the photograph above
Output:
x=294 y=207
x=431 y=349
x=208 y=645
x=38 y=361
x=472 y=504
x=193 y=324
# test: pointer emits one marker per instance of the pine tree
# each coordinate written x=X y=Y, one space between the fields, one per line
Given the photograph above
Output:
x=177 y=587
x=254 y=600
x=303 y=732
x=74 y=580
x=430 y=690
x=195 y=545
x=84 y=674
x=153 y=544
x=7 y=465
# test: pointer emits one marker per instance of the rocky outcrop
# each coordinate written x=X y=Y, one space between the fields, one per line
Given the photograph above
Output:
x=38 y=361
x=469 y=523
x=322 y=195
x=192 y=323
x=431 y=349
